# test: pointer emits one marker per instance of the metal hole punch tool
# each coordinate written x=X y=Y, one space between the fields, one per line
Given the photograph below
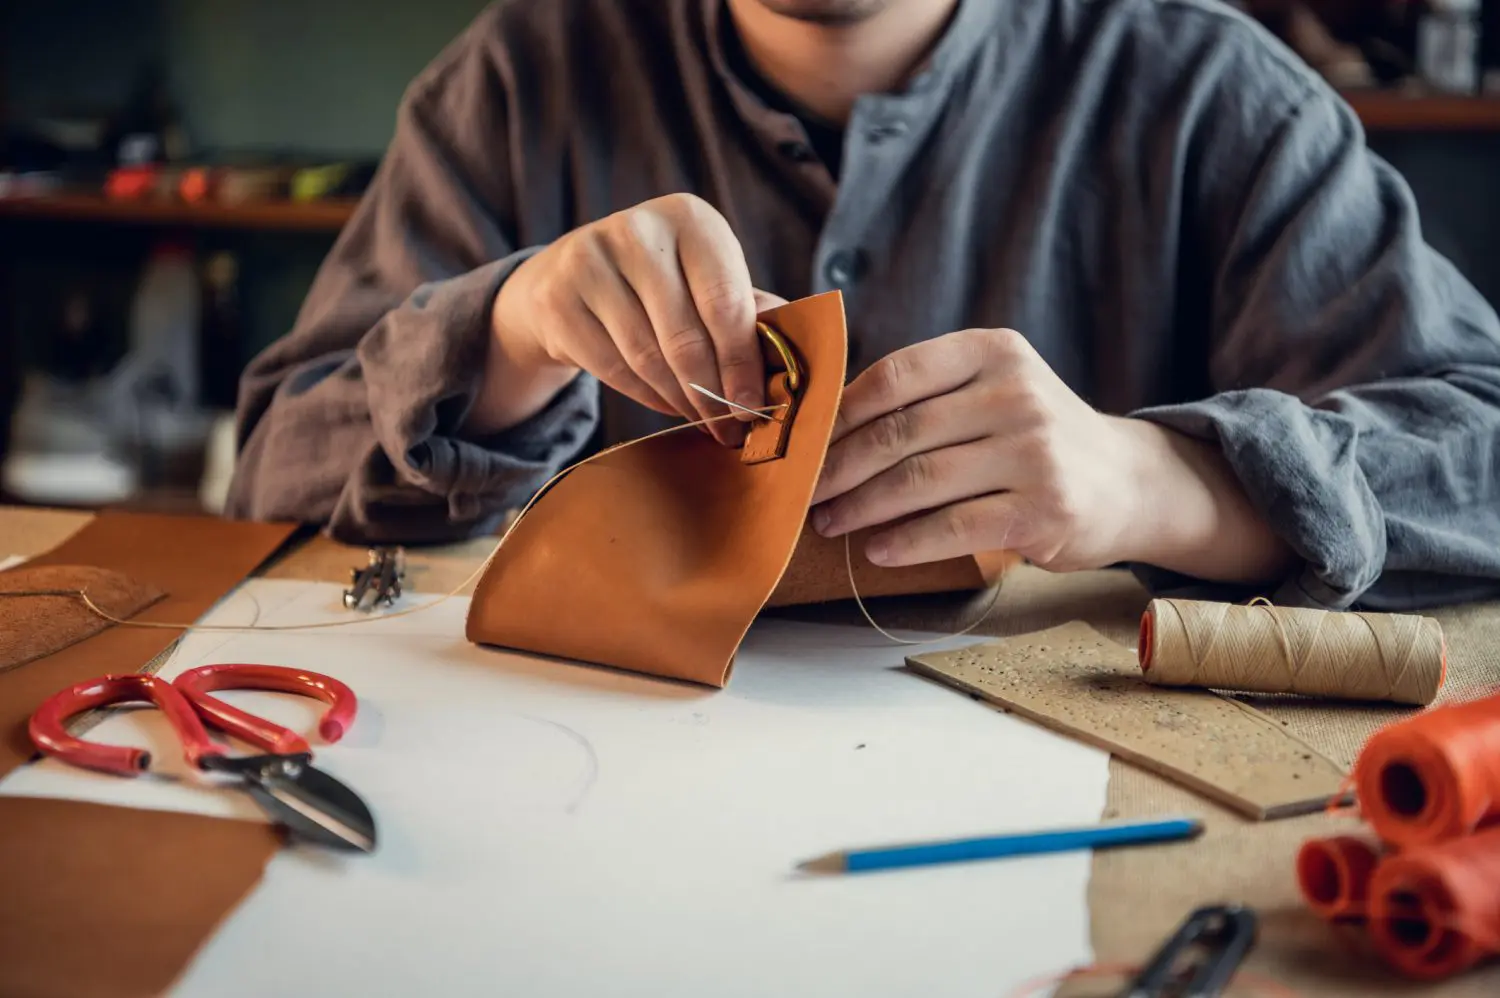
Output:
x=380 y=579
x=1200 y=958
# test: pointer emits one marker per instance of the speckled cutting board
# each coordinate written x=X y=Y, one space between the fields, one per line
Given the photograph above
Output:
x=1073 y=679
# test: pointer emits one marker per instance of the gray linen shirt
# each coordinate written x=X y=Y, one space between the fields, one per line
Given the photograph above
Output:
x=1181 y=217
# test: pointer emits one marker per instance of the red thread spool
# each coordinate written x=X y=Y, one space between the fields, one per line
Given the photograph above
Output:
x=1435 y=911
x=1434 y=777
x=1334 y=876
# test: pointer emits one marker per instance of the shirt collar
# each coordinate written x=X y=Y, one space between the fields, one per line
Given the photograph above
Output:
x=973 y=24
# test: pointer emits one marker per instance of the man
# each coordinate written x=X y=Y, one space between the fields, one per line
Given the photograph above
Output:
x=1124 y=286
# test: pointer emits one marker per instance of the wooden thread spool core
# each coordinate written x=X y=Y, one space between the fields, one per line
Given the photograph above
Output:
x=1399 y=658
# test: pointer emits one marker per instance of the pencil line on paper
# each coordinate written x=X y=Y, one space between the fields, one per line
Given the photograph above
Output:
x=591 y=761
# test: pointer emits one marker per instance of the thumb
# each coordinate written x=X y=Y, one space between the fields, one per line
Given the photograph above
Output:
x=765 y=300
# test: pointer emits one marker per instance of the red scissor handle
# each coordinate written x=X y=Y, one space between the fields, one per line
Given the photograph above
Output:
x=49 y=731
x=197 y=684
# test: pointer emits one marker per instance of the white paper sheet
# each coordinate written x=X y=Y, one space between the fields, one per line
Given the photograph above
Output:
x=556 y=829
x=10 y=561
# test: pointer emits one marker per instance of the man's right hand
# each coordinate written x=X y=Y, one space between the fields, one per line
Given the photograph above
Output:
x=648 y=300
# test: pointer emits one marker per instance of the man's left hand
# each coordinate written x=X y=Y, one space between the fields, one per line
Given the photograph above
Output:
x=970 y=443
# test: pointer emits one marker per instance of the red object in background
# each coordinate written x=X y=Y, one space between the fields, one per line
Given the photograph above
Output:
x=1432 y=778
x=197 y=185
x=1334 y=875
x=131 y=183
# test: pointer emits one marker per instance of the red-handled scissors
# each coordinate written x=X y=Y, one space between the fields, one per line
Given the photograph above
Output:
x=283 y=781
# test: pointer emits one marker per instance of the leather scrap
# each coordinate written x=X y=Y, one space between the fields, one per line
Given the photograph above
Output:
x=195 y=560
x=33 y=627
x=114 y=902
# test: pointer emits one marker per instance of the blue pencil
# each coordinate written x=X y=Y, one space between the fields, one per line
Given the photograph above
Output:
x=1117 y=833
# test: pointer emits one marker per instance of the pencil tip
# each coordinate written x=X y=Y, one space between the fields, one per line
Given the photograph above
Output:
x=823 y=864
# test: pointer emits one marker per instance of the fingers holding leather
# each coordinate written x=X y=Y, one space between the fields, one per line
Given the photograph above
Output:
x=987 y=523
x=679 y=337
x=661 y=254
x=616 y=307
x=596 y=351
x=906 y=377
x=921 y=481
x=885 y=441
x=724 y=299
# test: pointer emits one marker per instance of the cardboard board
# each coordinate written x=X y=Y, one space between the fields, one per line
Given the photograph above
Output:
x=1074 y=680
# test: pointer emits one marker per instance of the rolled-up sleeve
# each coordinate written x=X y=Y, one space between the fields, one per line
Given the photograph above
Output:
x=355 y=419
x=1355 y=372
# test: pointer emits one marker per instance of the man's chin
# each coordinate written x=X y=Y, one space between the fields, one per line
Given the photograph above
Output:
x=831 y=12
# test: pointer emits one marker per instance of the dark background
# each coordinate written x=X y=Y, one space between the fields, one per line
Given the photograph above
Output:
x=320 y=80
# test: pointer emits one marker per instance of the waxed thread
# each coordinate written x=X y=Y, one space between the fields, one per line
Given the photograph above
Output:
x=853 y=588
x=240 y=628
x=1286 y=641
x=1480 y=934
x=1462 y=857
x=1463 y=922
x=1223 y=652
x=1470 y=927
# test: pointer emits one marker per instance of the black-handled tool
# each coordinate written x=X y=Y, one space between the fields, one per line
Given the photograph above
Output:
x=1200 y=958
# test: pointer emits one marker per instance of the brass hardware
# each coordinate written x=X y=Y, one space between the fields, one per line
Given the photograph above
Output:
x=788 y=358
x=766 y=441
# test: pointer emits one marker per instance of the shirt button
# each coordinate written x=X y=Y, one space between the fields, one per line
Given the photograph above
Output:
x=881 y=133
x=797 y=152
x=843 y=268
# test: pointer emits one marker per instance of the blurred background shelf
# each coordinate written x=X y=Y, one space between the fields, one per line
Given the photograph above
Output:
x=276 y=216
x=1383 y=111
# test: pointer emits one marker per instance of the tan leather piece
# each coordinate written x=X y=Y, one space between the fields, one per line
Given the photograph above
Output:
x=32 y=627
x=113 y=902
x=195 y=560
x=30 y=530
x=819 y=573
x=656 y=557
x=767 y=438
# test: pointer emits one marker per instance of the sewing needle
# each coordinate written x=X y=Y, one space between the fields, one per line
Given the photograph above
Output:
x=725 y=401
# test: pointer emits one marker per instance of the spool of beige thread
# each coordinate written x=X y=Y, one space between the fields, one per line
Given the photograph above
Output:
x=1400 y=658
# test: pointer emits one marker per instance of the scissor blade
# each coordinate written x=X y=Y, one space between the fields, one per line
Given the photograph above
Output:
x=308 y=801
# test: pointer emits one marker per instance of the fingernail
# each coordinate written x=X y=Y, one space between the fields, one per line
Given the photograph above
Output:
x=822 y=521
x=878 y=551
